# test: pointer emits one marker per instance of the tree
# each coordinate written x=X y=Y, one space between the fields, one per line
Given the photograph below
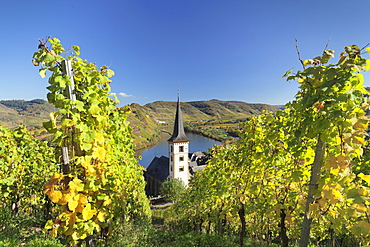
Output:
x=172 y=189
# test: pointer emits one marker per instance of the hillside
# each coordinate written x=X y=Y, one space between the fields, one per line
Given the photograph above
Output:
x=204 y=110
x=213 y=118
x=146 y=121
x=30 y=113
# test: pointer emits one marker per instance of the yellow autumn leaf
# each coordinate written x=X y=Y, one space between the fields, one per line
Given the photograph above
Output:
x=107 y=201
x=289 y=219
x=65 y=198
x=361 y=125
x=72 y=219
x=333 y=213
x=321 y=202
x=331 y=192
x=57 y=177
x=74 y=236
x=82 y=235
x=336 y=194
x=54 y=232
x=99 y=153
x=362 y=191
x=84 y=160
x=101 y=216
x=242 y=198
x=86 y=163
x=90 y=170
x=83 y=199
x=334 y=171
x=313 y=209
x=364 y=177
x=99 y=138
x=74 y=185
x=55 y=196
x=358 y=139
x=359 y=207
x=72 y=205
x=87 y=212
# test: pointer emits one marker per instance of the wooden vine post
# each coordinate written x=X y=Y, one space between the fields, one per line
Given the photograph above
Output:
x=312 y=187
x=70 y=92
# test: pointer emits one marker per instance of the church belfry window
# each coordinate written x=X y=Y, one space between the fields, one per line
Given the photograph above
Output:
x=181 y=158
x=181 y=149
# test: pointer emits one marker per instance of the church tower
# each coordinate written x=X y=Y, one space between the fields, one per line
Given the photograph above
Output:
x=178 y=149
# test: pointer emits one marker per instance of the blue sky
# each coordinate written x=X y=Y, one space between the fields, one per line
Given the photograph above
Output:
x=210 y=49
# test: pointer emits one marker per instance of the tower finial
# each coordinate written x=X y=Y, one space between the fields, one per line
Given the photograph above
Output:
x=178 y=131
x=178 y=90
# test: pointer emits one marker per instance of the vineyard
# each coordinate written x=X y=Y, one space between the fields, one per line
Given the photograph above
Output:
x=296 y=177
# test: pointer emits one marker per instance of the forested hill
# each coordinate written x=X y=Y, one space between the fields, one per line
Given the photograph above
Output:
x=203 y=110
x=146 y=121
x=31 y=113
x=159 y=110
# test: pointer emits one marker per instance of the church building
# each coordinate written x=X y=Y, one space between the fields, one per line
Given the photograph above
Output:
x=180 y=164
x=178 y=150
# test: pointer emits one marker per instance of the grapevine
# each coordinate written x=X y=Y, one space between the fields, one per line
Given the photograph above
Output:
x=300 y=168
x=102 y=182
x=24 y=168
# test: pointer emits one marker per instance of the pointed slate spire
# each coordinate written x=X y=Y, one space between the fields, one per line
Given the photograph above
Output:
x=178 y=130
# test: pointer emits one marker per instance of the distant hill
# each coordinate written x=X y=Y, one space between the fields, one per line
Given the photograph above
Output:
x=204 y=110
x=146 y=121
x=149 y=120
x=31 y=113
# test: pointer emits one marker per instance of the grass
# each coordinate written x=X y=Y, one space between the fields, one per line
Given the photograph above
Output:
x=23 y=231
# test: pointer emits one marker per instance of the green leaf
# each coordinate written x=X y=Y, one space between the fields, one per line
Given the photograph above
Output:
x=49 y=58
x=101 y=197
x=89 y=136
x=86 y=146
x=80 y=105
x=76 y=48
x=94 y=110
x=287 y=73
x=42 y=72
x=110 y=73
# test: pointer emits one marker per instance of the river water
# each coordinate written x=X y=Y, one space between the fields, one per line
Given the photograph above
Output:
x=197 y=143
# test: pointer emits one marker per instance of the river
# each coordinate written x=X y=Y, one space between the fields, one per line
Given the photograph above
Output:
x=197 y=143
